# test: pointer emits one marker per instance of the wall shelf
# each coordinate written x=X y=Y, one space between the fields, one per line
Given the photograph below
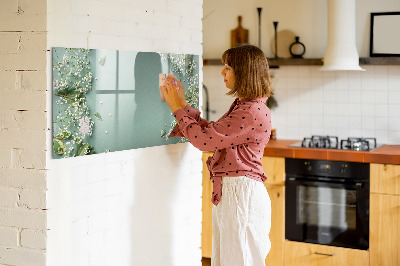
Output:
x=380 y=61
x=274 y=63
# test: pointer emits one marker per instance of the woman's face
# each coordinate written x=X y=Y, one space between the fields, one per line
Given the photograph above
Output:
x=229 y=76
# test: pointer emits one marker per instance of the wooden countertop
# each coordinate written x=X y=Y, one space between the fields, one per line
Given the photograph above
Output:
x=389 y=154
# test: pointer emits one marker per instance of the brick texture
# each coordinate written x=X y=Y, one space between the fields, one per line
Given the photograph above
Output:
x=23 y=126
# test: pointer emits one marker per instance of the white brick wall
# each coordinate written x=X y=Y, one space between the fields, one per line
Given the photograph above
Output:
x=135 y=207
x=22 y=132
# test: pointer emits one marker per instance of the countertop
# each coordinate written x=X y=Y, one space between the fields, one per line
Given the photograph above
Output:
x=389 y=154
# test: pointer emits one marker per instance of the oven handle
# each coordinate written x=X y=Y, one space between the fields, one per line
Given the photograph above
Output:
x=357 y=185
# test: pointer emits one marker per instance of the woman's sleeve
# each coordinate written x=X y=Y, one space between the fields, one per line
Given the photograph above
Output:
x=193 y=113
x=235 y=129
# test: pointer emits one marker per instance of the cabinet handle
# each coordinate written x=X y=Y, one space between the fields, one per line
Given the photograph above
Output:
x=325 y=254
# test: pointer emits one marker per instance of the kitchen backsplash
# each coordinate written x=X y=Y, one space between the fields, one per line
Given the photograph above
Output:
x=314 y=102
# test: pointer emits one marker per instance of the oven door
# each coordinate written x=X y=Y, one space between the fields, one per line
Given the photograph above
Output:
x=327 y=213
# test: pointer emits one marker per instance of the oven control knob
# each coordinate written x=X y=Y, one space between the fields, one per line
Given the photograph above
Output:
x=343 y=168
x=308 y=166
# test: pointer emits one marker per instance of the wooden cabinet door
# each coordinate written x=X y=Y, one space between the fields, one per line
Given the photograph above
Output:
x=277 y=233
x=206 y=226
x=385 y=178
x=274 y=168
x=384 y=236
x=305 y=254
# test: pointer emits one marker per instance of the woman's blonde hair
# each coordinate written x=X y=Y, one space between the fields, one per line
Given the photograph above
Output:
x=250 y=66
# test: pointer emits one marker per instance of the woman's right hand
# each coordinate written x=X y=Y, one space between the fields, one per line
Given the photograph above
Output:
x=181 y=91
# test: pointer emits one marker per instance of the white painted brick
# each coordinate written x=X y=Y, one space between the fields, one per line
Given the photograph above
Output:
x=9 y=42
x=8 y=197
x=79 y=228
x=98 y=222
x=33 y=199
x=191 y=22
x=24 y=139
x=134 y=43
x=179 y=7
x=166 y=46
x=168 y=19
x=114 y=186
x=23 y=218
x=33 y=159
x=8 y=237
x=34 y=7
x=17 y=256
x=149 y=6
x=108 y=41
x=197 y=10
x=8 y=6
x=153 y=32
x=23 y=100
x=16 y=158
x=33 y=120
x=23 y=178
x=24 y=21
x=196 y=37
x=30 y=80
x=7 y=80
x=33 y=239
x=31 y=55
x=103 y=11
x=5 y=159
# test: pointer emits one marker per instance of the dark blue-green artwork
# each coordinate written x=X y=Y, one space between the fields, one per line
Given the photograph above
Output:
x=109 y=100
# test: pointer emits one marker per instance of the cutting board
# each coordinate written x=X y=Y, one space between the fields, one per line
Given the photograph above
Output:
x=239 y=35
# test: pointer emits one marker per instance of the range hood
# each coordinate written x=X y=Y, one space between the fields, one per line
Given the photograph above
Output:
x=341 y=51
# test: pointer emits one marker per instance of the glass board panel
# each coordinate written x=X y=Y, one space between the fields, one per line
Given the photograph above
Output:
x=108 y=100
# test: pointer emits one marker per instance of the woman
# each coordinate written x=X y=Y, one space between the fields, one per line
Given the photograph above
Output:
x=242 y=208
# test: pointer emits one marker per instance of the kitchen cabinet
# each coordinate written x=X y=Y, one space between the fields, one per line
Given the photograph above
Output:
x=385 y=214
x=206 y=225
x=274 y=168
x=305 y=254
x=385 y=178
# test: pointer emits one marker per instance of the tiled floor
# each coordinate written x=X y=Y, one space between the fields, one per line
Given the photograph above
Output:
x=206 y=261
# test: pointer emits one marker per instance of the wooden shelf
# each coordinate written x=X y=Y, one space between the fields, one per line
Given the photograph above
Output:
x=380 y=61
x=274 y=63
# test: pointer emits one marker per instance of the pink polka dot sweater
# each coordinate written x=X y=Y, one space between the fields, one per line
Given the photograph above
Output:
x=238 y=139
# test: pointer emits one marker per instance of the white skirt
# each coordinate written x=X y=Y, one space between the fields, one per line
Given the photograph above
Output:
x=241 y=223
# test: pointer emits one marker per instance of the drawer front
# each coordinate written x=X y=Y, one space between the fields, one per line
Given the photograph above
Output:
x=385 y=178
x=297 y=253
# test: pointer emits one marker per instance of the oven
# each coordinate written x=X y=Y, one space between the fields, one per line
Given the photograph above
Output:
x=327 y=202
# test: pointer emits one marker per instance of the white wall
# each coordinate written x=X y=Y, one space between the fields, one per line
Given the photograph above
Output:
x=311 y=102
x=135 y=207
x=304 y=18
x=22 y=133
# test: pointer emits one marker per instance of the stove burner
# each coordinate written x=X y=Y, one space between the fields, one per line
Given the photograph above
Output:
x=358 y=144
x=328 y=142
x=332 y=142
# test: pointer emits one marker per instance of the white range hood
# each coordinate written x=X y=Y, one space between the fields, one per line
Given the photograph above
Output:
x=341 y=51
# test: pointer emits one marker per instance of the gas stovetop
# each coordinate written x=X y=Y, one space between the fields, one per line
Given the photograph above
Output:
x=332 y=142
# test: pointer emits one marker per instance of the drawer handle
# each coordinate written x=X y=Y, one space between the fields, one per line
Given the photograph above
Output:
x=325 y=254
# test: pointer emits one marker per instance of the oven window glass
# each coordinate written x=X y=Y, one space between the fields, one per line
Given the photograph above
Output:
x=327 y=207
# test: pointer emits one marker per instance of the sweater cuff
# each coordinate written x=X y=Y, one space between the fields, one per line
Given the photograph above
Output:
x=176 y=132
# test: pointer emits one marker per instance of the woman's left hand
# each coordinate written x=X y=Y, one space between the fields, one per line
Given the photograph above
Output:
x=171 y=95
